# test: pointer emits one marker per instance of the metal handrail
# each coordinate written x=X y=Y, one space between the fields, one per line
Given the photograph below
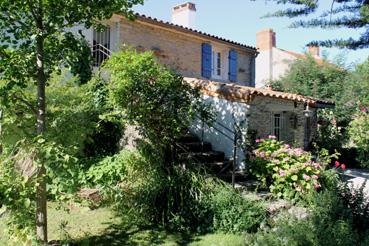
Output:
x=218 y=130
x=100 y=47
x=234 y=140
x=100 y=53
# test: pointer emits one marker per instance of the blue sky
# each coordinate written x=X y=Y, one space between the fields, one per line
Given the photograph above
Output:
x=239 y=20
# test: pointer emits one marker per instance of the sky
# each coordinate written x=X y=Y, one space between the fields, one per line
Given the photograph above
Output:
x=239 y=20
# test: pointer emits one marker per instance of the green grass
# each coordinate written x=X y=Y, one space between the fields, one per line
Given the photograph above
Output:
x=100 y=227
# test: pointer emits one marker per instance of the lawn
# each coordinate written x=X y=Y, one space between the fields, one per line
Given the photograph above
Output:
x=100 y=227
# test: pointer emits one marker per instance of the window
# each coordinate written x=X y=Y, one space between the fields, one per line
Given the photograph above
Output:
x=101 y=46
x=217 y=63
x=277 y=126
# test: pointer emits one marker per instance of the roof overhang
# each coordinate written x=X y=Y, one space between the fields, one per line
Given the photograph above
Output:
x=245 y=94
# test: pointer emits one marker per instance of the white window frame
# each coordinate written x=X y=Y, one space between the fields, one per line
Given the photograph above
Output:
x=281 y=125
x=217 y=64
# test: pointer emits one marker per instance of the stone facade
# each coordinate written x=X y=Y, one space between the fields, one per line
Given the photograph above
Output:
x=182 y=51
x=294 y=121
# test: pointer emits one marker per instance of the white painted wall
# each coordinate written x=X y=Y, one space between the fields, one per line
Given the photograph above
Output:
x=272 y=64
x=186 y=18
x=226 y=113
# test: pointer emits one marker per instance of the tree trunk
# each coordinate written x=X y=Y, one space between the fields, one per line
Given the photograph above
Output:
x=41 y=203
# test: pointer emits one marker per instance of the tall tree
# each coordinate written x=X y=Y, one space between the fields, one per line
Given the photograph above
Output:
x=34 y=42
x=352 y=14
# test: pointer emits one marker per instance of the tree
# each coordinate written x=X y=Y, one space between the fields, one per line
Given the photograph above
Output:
x=35 y=41
x=320 y=80
x=153 y=98
x=352 y=14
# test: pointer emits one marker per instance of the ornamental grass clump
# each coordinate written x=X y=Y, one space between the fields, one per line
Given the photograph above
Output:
x=287 y=172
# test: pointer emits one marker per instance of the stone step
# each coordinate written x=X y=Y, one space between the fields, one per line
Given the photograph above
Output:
x=204 y=157
x=195 y=147
x=188 y=138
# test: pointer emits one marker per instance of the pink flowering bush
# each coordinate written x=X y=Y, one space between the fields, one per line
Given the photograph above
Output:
x=287 y=172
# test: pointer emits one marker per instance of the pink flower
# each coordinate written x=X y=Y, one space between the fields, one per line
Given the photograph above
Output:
x=317 y=186
x=262 y=154
x=343 y=166
x=315 y=177
x=287 y=146
x=258 y=140
x=282 y=173
x=306 y=177
x=272 y=137
x=316 y=165
x=336 y=163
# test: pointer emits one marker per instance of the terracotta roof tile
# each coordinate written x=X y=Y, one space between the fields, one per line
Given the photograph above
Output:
x=234 y=92
x=192 y=31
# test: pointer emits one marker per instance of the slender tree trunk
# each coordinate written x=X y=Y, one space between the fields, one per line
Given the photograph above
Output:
x=41 y=202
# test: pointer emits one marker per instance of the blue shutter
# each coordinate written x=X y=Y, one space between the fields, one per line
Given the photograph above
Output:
x=232 y=58
x=206 y=60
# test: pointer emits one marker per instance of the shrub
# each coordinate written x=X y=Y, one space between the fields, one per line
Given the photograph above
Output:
x=154 y=98
x=359 y=135
x=328 y=224
x=288 y=172
x=338 y=215
x=233 y=214
x=110 y=170
x=184 y=201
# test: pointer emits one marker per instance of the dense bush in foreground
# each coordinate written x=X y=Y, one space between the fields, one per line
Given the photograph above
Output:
x=185 y=201
x=338 y=216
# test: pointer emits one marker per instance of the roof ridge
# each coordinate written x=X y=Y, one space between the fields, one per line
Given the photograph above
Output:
x=194 y=31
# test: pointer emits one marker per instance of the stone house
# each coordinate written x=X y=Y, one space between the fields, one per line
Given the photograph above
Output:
x=222 y=69
x=273 y=62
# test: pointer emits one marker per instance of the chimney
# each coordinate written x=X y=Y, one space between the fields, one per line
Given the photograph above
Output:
x=184 y=15
x=313 y=50
x=265 y=39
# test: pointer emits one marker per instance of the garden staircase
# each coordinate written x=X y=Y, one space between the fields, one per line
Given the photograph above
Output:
x=190 y=147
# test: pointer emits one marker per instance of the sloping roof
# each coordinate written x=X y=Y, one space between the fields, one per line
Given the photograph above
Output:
x=238 y=93
x=303 y=56
x=193 y=31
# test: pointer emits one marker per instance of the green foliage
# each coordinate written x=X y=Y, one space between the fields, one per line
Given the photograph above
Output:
x=288 y=172
x=349 y=90
x=338 y=216
x=111 y=170
x=73 y=117
x=142 y=192
x=17 y=194
x=154 y=98
x=342 y=14
x=234 y=214
x=329 y=135
x=359 y=135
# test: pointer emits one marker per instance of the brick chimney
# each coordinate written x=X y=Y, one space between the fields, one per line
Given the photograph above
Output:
x=184 y=15
x=314 y=50
x=265 y=39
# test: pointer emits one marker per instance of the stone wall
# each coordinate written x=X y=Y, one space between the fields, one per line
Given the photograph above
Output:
x=261 y=112
x=181 y=51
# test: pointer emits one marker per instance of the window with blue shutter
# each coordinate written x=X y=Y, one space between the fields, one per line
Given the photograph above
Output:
x=233 y=65
x=206 y=60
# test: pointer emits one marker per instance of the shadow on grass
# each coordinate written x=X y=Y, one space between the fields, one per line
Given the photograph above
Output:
x=117 y=235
